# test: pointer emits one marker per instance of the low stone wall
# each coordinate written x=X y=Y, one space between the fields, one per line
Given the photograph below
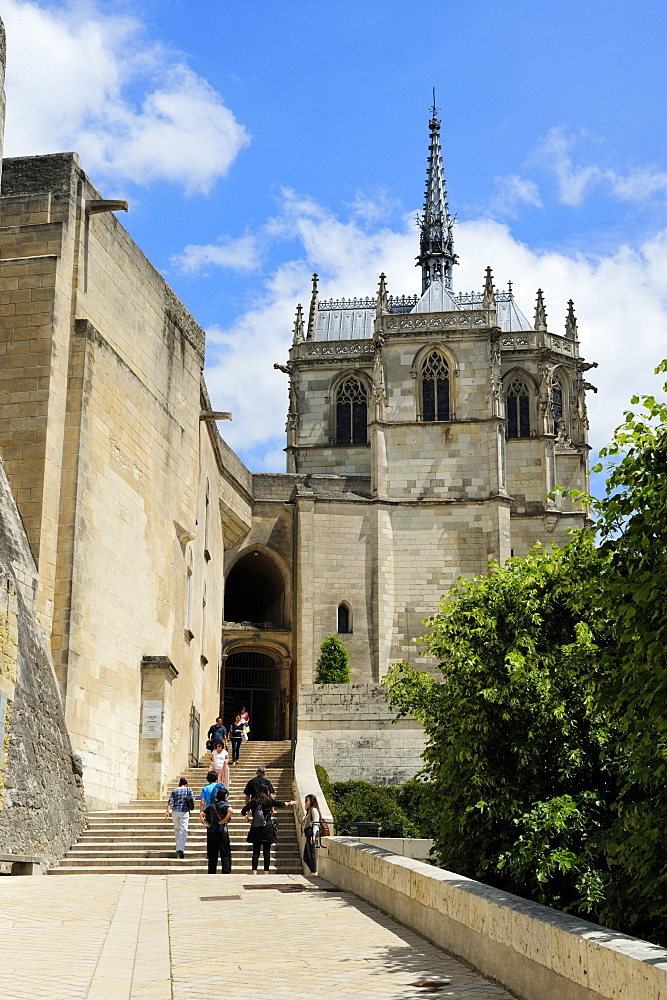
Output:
x=537 y=952
x=407 y=847
x=355 y=736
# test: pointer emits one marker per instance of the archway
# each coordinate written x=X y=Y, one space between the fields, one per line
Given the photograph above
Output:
x=255 y=591
x=252 y=680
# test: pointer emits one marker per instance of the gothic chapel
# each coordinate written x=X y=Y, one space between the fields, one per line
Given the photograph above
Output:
x=424 y=436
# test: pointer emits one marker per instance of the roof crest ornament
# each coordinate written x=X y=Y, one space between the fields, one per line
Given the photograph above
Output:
x=436 y=243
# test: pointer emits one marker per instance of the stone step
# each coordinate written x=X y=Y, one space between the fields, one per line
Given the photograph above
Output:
x=177 y=869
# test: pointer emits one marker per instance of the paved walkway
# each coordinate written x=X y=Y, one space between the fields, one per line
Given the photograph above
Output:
x=126 y=937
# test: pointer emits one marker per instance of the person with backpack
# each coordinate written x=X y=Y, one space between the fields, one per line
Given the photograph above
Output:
x=217 y=817
x=262 y=832
x=181 y=802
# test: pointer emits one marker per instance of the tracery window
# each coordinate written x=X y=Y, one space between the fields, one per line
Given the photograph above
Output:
x=435 y=387
x=352 y=412
x=557 y=401
x=343 y=619
x=517 y=400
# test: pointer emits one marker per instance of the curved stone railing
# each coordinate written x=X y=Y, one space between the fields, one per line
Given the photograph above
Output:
x=534 y=951
x=306 y=783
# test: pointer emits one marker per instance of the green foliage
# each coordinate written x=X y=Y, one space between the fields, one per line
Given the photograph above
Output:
x=402 y=810
x=547 y=735
x=332 y=665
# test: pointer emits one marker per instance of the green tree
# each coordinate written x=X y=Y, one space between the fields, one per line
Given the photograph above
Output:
x=524 y=767
x=332 y=666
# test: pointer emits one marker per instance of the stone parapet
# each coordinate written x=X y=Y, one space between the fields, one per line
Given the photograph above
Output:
x=533 y=950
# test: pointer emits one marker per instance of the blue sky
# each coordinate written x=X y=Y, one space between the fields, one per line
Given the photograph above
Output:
x=259 y=142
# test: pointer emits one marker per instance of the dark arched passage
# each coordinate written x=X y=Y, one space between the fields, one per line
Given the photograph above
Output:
x=255 y=591
x=252 y=681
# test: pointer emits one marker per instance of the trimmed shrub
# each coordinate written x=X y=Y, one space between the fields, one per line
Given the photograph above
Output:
x=332 y=666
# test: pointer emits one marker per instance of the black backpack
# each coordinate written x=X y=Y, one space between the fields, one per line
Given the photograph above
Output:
x=258 y=819
x=216 y=812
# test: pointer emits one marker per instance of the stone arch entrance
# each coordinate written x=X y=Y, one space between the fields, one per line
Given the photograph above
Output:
x=255 y=590
x=254 y=679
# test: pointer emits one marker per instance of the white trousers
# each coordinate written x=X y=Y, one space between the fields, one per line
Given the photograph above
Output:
x=180 y=821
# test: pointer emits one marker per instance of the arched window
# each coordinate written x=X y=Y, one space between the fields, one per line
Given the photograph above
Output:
x=435 y=387
x=557 y=401
x=344 y=619
x=352 y=412
x=517 y=399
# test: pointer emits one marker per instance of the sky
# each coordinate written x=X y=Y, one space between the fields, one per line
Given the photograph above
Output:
x=257 y=143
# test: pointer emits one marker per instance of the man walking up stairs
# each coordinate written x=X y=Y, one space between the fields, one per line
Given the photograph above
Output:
x=136 y=839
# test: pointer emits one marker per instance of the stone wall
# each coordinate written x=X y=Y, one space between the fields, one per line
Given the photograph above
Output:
x=354 y=734
x=42 y=806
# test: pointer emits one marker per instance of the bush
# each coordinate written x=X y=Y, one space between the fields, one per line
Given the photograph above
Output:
x=401 y=810
x=332 y=666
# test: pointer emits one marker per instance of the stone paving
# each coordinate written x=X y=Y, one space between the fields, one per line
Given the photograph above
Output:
x=152 y=937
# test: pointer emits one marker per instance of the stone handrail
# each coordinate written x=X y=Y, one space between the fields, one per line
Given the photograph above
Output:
x=533 y=950
x=306 y=783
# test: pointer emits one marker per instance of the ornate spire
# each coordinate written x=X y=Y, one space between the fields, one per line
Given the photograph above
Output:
x=298 y=326
x=436 y=244
x=312 y=315
x=382 y=304
x=571 y=322
x=540 y=314
x=489 y=300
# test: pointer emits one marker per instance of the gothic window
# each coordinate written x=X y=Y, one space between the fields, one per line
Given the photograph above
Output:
x=344 y=623
x=517 y=399
x=435 y=387
x=557 y=401
x=352 y=412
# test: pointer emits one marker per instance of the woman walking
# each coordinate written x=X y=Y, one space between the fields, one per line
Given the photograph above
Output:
x=216 y=821
x=236 y=732
x=181 y=802
x=219 y=763
x=311 y=831
x=262 y=832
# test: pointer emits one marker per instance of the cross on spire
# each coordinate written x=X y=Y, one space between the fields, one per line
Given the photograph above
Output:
x=436 y=244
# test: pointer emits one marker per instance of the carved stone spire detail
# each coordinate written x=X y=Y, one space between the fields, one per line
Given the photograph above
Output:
x=382 y=304
x=436 y=244
x=298 y=337
x=489 y=300
x=571 y=322
x=540 y=313
x=312 y=315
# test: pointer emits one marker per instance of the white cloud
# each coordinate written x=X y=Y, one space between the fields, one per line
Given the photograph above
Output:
x=78 y=78
x=620 y=301
x=241 y=254
x=513 y=191
x=575 y=181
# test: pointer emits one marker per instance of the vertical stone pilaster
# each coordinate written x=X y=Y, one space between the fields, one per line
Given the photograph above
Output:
x=157 y=675
x=382 y=598
x=304 y=586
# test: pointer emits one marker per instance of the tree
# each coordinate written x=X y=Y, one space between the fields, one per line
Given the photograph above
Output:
x=332 y=665
x=523 y=767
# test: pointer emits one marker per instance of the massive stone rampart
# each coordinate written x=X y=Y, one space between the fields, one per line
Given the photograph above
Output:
x=42 y=806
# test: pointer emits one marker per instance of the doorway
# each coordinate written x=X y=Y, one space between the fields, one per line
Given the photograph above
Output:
x=253 y=679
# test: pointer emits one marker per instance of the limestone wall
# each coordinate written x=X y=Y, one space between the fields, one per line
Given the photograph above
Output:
x=41 y=796
x=354 y=734
x=120 y=484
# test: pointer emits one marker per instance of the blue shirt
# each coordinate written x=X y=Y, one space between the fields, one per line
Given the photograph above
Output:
x=209 y=793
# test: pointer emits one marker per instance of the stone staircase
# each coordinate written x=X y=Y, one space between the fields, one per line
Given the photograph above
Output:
x=136 y=839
